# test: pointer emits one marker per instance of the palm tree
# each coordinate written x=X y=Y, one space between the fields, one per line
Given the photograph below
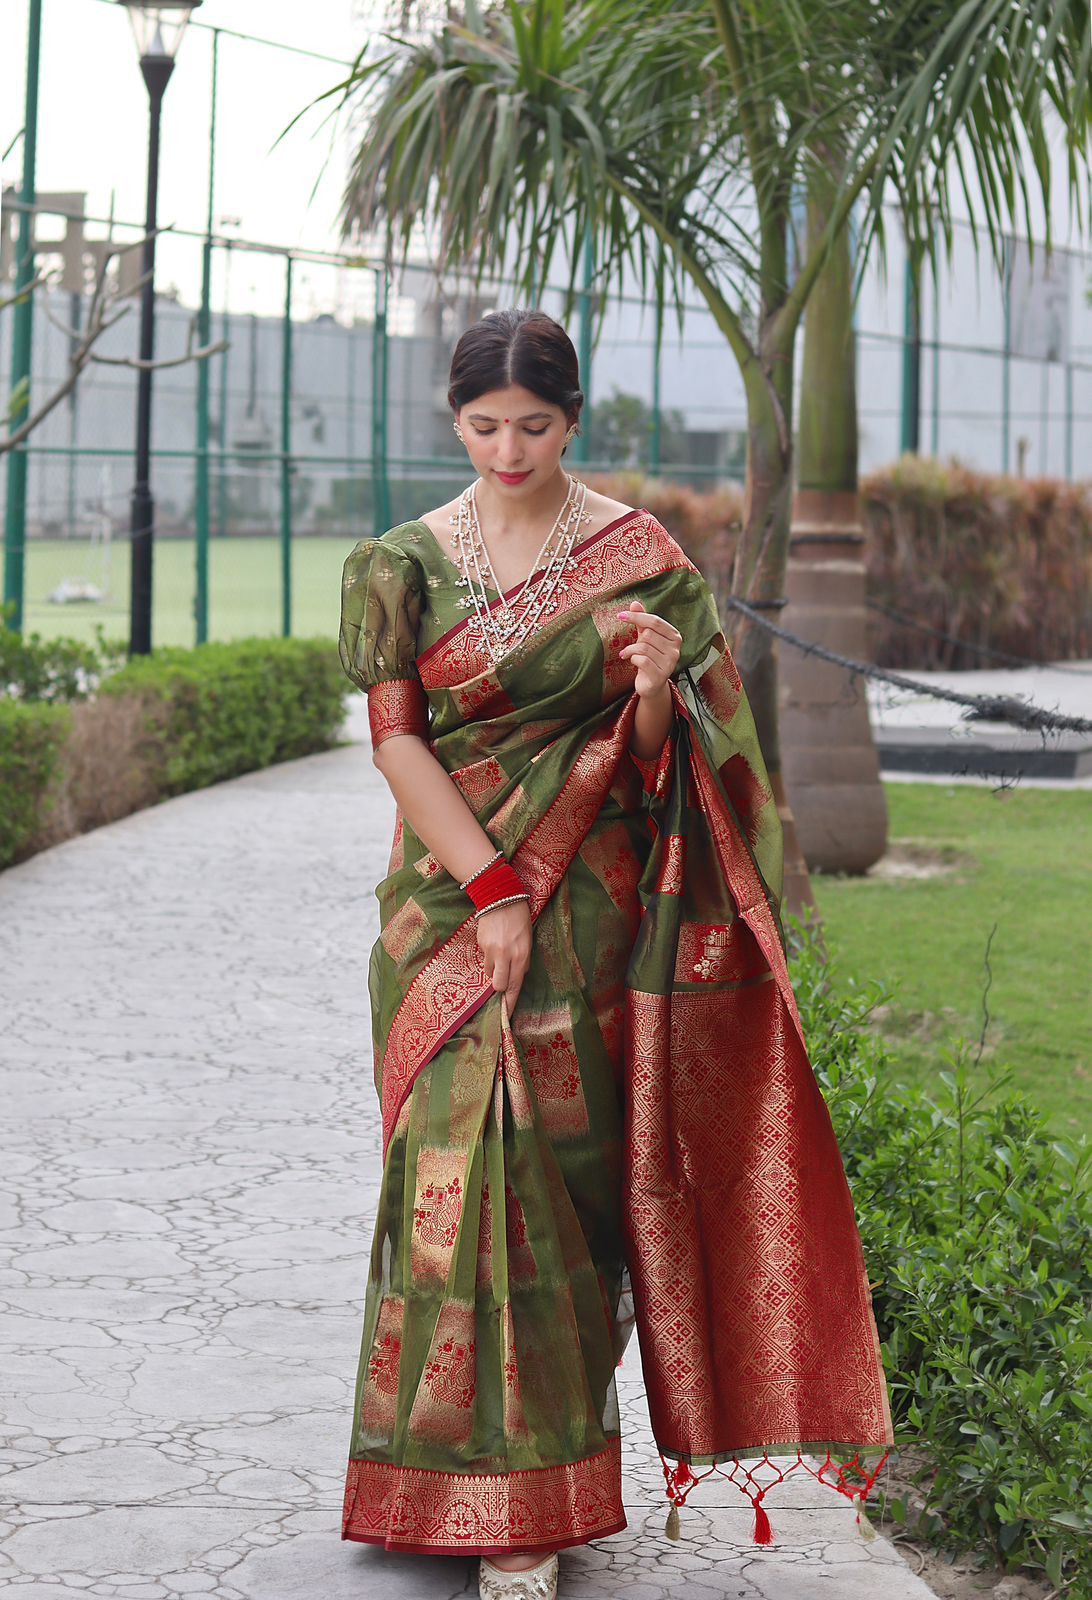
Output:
x=525 y=124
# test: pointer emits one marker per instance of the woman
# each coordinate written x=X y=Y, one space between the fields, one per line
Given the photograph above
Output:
x=597 y=1106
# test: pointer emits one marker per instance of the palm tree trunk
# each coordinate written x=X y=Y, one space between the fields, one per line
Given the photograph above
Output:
x=759 y=571
x=831 y=765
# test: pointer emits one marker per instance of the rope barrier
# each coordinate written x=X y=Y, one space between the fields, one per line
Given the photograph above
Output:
x=977 y=707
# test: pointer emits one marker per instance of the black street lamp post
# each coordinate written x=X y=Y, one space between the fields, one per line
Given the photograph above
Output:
x=158 y=29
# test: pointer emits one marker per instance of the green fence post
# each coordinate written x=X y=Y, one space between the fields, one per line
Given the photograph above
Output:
x=911 y=360
x=655 y=435
x=580 y=445
x=1006 y=303
x=221 y=421
x=286 y=462
x=380 y=481
x=934 y=432
x=350 y=436
x=204 y=325
x=15 y=518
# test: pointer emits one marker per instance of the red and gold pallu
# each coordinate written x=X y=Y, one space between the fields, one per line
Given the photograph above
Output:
x=643 y=1141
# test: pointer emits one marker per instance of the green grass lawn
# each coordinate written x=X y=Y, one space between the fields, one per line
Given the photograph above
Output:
x=244 y=588
x=1020 y=858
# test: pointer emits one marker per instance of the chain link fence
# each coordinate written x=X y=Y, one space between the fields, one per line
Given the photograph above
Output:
x=327 y=417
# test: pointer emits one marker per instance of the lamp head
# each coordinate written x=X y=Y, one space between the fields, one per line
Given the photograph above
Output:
x=158 y=26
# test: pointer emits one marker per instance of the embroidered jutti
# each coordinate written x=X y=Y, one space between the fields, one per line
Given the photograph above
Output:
x=643 y=1141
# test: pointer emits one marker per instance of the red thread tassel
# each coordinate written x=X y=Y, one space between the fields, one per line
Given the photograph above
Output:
x=763 y=1531
x=683 y=1473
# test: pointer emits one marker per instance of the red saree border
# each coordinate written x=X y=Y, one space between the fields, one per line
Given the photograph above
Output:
x=740 y=870
x=577 y=550
x=443 y=1513
x=453 y=985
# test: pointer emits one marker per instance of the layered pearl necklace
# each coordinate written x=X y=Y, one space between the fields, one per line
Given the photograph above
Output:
x=503 y=627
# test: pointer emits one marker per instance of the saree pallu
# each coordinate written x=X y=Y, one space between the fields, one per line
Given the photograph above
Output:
x=643 y=1141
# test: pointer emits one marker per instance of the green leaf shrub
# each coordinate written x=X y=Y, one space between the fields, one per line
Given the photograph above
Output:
x=56 y=671
x=232 y=708
x=32 y=739
x=977 y=1230
x=184 y=719
x=992 y=560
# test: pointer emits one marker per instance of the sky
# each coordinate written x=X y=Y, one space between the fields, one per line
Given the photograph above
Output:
x=93 y=127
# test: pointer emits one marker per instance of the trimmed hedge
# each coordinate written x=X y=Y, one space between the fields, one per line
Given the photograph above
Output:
x=977 y=1230
x=996 y=561
x=231 y=708
x=32 y=740
x=54 y=670
x=159 y=725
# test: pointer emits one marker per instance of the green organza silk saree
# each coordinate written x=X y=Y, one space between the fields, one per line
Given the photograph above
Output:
x=643 y=1141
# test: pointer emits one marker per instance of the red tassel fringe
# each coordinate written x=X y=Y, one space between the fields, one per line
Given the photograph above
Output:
x=680 y=1479
x=763 y=1531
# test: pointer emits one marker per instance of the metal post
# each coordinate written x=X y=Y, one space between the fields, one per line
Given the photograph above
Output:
x=15 y=517
x=204 y=325
x=350 y=407
x=75 y=320
x=286 y=462
x=656 y=432
x=1006 y=277
x=221 y=431
x=911 y=361
x=934 y=441
x=580 y=444
x=157 y=71
x=380 y=481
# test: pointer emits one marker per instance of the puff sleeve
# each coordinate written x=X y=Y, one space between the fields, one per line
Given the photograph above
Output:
x=382 y=594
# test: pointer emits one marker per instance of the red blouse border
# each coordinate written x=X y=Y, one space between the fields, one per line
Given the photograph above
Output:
x=577 y=549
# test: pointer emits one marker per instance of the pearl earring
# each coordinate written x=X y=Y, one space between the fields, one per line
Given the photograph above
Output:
x=458 y=430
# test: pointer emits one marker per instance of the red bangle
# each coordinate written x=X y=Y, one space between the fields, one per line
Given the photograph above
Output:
x=495 y=883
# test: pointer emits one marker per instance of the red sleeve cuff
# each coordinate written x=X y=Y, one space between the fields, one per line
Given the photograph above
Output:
x=397 y=705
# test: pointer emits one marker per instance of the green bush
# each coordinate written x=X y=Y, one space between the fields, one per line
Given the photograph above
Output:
x=52 y=670
x=204 y=714
x=32 y=741
x=977 y=1230
x=232 y=708
x=992 y=560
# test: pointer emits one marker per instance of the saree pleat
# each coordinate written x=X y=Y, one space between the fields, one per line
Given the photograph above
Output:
x=643 y=1141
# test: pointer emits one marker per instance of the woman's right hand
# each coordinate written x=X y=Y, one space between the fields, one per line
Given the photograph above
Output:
x=504 y=939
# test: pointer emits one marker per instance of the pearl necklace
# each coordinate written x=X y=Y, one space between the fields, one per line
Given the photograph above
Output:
x=504 y=627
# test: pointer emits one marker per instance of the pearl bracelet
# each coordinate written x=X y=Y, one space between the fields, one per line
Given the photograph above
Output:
x=508 y=900
x=483 y=868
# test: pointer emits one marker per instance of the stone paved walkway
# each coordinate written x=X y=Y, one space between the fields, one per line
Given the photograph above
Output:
x=191 y=1160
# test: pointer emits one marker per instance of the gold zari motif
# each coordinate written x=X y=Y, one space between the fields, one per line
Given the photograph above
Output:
x=647 y=1113
x=410 y=1508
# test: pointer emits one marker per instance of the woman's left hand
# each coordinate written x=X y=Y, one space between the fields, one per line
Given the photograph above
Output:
x=655 y=651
